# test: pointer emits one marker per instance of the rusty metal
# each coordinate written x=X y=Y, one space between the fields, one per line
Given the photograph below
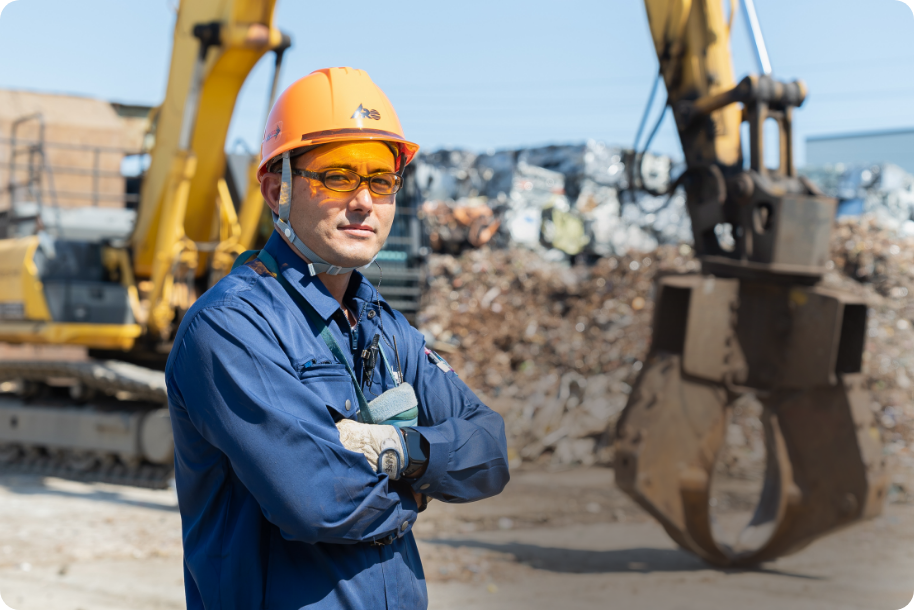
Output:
x=800 y=347
x=757 y=321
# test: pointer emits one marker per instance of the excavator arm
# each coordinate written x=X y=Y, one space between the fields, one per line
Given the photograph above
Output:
x=692 y=41
x=756 y=320
x=187 y=222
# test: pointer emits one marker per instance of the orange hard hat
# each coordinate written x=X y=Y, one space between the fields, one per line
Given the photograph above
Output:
x=332 y=105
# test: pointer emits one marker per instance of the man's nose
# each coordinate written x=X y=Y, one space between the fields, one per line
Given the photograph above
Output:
x=362 y=200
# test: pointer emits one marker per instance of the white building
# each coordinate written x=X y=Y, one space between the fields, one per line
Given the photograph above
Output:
x=893 y=146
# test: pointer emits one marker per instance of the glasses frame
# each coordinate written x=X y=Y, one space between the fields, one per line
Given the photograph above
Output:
x=304 y=173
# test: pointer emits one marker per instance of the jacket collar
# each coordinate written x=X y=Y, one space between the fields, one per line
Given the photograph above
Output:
x=295 y=270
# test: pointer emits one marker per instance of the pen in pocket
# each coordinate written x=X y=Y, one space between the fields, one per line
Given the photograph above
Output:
x=314 y=361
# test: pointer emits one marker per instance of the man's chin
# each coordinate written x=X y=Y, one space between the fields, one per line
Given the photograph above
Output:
x=356 y=255
x=352 y=259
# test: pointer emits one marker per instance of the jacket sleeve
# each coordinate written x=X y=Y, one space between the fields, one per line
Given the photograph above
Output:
x=231 y=385
x=468 y=451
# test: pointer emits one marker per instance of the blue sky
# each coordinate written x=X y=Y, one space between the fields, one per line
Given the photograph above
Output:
x=483 y=75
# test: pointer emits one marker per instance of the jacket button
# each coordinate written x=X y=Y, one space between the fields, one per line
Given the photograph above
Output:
x=348 y=404
x=404 y=527
x=426 y=486
x=371 y=313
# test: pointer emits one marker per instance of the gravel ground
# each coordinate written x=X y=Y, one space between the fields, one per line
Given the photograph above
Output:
x=564 y=538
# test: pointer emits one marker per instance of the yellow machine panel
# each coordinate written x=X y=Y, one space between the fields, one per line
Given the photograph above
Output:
x=95 y=336
x=21 y=290
x=24 y=313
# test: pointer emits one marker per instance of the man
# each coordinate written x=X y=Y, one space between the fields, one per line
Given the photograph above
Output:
x=297 y=489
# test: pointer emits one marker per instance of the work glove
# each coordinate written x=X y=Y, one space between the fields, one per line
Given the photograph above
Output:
x=381 y=445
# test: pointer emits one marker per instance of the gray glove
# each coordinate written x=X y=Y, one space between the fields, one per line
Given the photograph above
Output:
x=381 y=445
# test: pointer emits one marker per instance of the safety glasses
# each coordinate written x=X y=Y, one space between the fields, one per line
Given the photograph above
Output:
x=346 y=181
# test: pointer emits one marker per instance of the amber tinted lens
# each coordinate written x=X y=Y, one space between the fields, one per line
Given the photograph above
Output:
x=341 y=180
x=384 y=184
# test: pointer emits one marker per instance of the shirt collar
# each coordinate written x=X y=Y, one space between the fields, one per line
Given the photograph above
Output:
x=295 y=270
x=361 y=290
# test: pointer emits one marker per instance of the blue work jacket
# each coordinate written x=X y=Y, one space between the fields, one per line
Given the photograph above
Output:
x=275 y=512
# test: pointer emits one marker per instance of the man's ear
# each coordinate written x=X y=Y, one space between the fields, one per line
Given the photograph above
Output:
x=269 y=188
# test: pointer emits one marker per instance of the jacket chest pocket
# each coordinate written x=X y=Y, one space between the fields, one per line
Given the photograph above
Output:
x=332 y=385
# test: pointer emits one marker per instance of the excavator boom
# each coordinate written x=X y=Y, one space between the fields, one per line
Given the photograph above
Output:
x=692 y=41
x=216 y=44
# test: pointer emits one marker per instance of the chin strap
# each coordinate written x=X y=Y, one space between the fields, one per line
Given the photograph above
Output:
x=282 y=224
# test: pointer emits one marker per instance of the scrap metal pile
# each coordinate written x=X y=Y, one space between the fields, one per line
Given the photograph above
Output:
x=884 y=191
x=564 y=342
x=560 y=200
x=558 y=345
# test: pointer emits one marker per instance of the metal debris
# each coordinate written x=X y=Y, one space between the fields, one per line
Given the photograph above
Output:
x=566 y=200
x=559 y=345
x=884 y=191
x=561 y=342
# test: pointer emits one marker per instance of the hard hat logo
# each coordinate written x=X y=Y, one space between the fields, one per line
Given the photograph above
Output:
x=364 y=113
x=274 y=133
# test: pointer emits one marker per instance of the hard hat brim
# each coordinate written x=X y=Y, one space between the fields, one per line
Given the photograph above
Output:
x=406 y=149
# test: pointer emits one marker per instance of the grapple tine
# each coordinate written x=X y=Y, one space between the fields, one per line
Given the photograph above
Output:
x=837 y=470
x=667 y=439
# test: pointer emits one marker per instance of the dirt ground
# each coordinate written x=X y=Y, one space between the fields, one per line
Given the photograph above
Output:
x=565 y=540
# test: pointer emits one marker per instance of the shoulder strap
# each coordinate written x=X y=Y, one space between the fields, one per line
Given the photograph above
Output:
x=244 y=257
x=270 y=263
x=387 y=363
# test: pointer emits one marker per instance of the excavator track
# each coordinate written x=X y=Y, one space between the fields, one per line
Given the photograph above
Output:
x=111 y=377
x=102 y=421
x=148 y=476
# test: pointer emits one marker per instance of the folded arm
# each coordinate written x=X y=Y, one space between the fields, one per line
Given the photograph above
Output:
x=467 y=447
x=231 y=381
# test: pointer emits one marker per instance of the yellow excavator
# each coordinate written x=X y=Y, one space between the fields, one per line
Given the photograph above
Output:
x=106 y=418
x=755 y=320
